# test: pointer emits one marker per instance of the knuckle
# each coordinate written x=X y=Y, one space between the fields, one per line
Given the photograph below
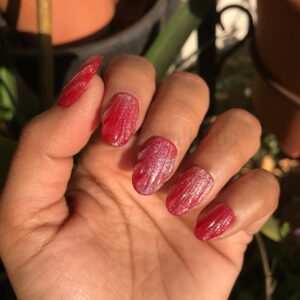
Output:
x=185 y=116
x=182 y=110
x=246 y=128
x=179 y=107
x=270 y=186
x=191 y=87
x=190 y=78
x=269 y=179
x=246 y=118
x=31 y=129
x=133 y=62
x=28 y=130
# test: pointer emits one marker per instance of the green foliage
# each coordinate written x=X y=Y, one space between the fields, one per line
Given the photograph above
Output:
x=275 y=230
x=270 y=143
x=169 y=42
x=7 y=93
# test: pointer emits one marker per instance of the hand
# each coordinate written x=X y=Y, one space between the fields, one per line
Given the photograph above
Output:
x=94 y=236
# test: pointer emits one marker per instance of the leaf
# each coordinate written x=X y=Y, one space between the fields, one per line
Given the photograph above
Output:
x=7 y=148
x=169 y=42
x=7 y=93
x=17 y=101
x=285 y=229
x=275 y=230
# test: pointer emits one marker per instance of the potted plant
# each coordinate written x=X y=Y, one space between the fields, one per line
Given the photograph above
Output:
x=276 y=53
x=132 y=28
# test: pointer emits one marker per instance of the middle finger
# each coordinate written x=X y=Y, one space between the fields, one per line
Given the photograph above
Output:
x=171 y=125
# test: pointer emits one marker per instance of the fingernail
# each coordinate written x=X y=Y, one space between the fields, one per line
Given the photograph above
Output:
x=189 y=190
x=119 y=119
x=154 y=165
x=79 y=83
x=214 y=223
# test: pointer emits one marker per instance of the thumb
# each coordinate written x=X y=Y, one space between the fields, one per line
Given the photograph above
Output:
x=42 y=165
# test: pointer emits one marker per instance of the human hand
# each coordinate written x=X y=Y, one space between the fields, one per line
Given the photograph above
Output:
x=93 y=236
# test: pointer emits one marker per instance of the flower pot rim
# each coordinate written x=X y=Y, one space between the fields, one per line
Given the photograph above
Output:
x=153 y=15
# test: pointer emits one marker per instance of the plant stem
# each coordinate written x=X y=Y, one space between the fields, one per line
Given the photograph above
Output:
x=46 y=63
x=269 y=282
x=169 y=42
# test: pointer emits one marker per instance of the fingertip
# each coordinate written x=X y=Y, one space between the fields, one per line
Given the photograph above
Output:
x=244 y=205
x=80 y=82
x=215 y=222
x=129 y=87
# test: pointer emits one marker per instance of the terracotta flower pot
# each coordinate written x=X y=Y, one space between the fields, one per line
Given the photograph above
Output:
x=71 y=19
x=133 y=39
x=277 y=57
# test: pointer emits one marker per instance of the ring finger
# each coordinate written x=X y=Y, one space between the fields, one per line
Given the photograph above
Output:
x=231 y=141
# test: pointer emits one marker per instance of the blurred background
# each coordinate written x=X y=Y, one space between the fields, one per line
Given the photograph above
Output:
x=248 y=52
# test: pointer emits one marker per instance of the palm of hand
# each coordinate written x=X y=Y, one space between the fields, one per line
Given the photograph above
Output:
x=118 y=245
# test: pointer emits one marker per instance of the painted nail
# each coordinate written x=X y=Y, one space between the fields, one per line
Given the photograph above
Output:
x=189 y=190
x=214 y=223
x=79 y=83
x=154 y=165
x=119 y=119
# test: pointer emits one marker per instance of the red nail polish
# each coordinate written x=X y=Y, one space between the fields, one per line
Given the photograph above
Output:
x=119 y=119
x=154 y=165
x=79 y=83
x=189 y=190
x=214 y=223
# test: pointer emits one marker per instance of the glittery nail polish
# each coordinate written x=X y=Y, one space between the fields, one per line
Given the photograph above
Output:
x=79 y=83
x=154 y=165
x=189 y=190
x=119 y=119
x=214 y=223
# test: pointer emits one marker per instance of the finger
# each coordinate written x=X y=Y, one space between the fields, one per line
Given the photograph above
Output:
x=231 y=141
x=170 y=127
x=244 y=205
x=129 y=88
x=42 y=165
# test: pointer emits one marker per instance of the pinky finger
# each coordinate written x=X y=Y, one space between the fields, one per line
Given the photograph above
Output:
x=244 y=205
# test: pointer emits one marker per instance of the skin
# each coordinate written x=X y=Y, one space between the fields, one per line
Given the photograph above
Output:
x=97 y=238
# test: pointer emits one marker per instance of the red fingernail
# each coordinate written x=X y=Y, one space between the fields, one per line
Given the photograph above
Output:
x=154 y=165
x=119 y=119
x=214 y=223
x=189 y=190
x=79 y=83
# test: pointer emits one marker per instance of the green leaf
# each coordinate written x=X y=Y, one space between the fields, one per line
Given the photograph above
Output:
x=169 y=42
x=275 y=230
x=7 y=148
x=7 y=94
x=17 y=101
x=285 y=229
